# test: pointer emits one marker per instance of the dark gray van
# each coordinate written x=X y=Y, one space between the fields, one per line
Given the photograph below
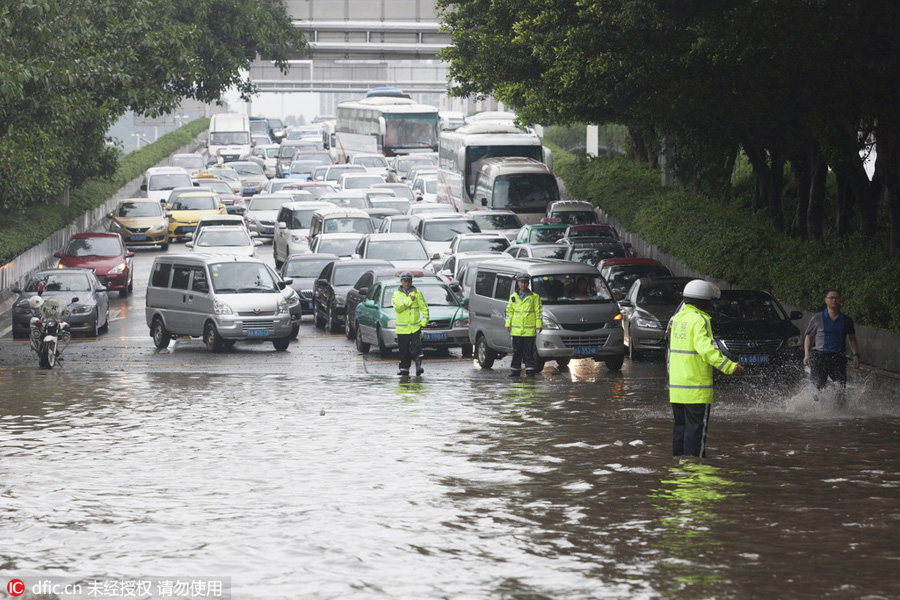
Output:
x=220 y=297
x=581 y=318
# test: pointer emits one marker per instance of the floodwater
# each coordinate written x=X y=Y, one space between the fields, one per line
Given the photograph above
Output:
x=364 y=486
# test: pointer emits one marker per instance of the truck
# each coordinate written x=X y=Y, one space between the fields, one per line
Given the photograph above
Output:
x=229 y=134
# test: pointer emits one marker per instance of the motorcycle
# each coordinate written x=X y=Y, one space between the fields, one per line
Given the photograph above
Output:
x=48 y=329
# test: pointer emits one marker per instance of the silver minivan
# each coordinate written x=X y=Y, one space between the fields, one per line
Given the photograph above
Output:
x=222 y=298
x=581 y=318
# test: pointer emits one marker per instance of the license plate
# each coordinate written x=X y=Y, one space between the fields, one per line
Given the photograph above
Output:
x=753 y=359
x=434 y=337
x=268 y=230
x=258 y=332
x=138 y=237
x=585 y=350
x=249 y=190
x=188 y=229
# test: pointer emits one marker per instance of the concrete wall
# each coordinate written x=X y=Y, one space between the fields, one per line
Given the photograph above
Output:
x=879 y=349
x=16 y=272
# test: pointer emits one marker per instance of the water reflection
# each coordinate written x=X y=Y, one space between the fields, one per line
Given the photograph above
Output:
x=690 y=504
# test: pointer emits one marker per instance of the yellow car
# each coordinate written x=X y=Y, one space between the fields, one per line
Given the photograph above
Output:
x=140 y=222
x=187 y=209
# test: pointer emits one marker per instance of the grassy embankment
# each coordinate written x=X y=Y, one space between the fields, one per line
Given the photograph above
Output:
x=725 y=239
x=22 y=230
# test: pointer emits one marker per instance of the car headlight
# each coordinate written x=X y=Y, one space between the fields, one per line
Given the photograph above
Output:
x=80 y=309
x=115 y=226
x=119 y=268
x=339 y=301
x=298 y=239
x=221 y=308
x=159 y=226
x=392 y=324
x=282 y=306
x=550 y=323
x=793 y=341
x=648 y=323
x=293 y=300
x=461 y=322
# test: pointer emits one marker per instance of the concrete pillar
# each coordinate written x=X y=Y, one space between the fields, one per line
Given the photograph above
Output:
x=592 y=143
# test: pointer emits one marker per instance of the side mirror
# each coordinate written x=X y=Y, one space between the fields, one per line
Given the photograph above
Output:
x=58 y=254
x=254 y=234
x=624 y=303
x=363 y=291
x=129 y=255
x=143 y=187
x=281 y=225
x=189 y=244
x=794 y=316
x=109 y=215
x=75 y=299
x=436 y=256
x=16 y=290
x=282 y=285
x=189 y=235
x=484 y=201
x=257 y=242
x=464 y=302
x=288 y=280
x=369 y=303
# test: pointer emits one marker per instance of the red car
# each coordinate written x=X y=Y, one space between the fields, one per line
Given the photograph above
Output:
x=103 y=253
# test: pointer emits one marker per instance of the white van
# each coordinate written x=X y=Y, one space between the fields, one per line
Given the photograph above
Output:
x=522 y=185
x=229 y=133
x=581 y=318
x=207 y=295
x=339 y=220
x=160 y=181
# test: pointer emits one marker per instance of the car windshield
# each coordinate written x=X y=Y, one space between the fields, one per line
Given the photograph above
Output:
x=403 y=191
x=568 y=289
x=396 y=225
x=398 y=204
x=214 y=236
x=139 y=209
x=248 y=169
x=303 y=167
x=242 y=278
x=227 y=173
x=403 y=166
x=169 y=181
x=360 y=183
x=592 y=255
x=227 y=138
x=545 y=234
x=192 y=161
x=397 y=250
x=498 y=244
x=372 y=162
x=59 y=282
x=621 y=278
x=267 y=203
x=668 y=294
x=739 y=305
x=591 y=233
x=525 y=191
x=94 y=246
x=300 y=219
x=339 y=246
x=348 y=273
x=444 y=231
x=271 y=152
x=348 y=225
x=348 y=201
x=434 y=295
x=418 y=209
x=215 y=185
x=575 y=217
x=195 y=203
x=550 y=252
x=333 y=173
x=496 y=221
x=306 y=268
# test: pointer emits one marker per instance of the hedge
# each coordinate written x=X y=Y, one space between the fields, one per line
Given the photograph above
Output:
x=21 y=230
x=726 y=241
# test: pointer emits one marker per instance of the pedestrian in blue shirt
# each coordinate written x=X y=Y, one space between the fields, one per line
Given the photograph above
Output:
x=825 y=343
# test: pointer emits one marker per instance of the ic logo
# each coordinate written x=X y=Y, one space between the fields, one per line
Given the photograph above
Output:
x=15 y=587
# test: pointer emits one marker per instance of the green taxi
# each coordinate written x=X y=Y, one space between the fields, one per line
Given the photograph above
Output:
x=448 y=323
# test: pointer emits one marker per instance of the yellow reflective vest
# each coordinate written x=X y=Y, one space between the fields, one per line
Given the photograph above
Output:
x=692 y=356
x=524 y=316
x=412 y=315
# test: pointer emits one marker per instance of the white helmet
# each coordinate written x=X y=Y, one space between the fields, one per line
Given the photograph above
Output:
x=35 y=302
x=699 y=289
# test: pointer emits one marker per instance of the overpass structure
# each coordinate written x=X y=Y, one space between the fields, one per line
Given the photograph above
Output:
x=360 y=44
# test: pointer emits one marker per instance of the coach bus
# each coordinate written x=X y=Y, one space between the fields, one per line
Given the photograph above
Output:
x=389 y=125
x=462 y=149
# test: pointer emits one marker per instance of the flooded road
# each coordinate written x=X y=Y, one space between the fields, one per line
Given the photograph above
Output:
x=317 y=473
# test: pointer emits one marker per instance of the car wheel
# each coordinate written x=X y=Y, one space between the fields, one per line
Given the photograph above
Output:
x=281 y=344
x=466 y=350
x=362 y=346
x=160 y=334
x=539 y=362
x=295 y=331
x=94 y=331
x=19 y=335
x=278 y=263
x=633 y=353
x=320 y=321
x=348 y=328
x=615 y=363
x=333 y=325
x=483 y=353
x=212 y=339
x=105 y=328
x=383 y=350
x=164 y=246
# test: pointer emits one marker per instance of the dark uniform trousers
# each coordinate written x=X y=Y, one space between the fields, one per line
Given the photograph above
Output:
x=410 y=345
x=689 y=434
x=523 y=347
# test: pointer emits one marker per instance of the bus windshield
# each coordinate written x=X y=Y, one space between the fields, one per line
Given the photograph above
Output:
x=525 y=192
x=411 y=131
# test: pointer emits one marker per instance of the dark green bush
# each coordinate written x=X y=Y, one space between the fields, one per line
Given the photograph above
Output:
x=726 y=241
x=20 y=230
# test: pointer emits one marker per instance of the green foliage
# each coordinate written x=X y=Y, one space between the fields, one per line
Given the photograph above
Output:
x=726 y=241
x=24 y=228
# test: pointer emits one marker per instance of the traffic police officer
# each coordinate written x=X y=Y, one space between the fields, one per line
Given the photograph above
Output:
x=692 y=356
x=412 y=315
x=524 y=319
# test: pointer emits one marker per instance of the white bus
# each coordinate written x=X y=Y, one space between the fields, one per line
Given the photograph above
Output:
x=462 y=149
x=388 y=125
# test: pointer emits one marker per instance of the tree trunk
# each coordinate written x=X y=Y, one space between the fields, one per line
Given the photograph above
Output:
x=800 y=168
x=818 y=177
x=867 y=194
x=888 y=167
x=768 y=170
